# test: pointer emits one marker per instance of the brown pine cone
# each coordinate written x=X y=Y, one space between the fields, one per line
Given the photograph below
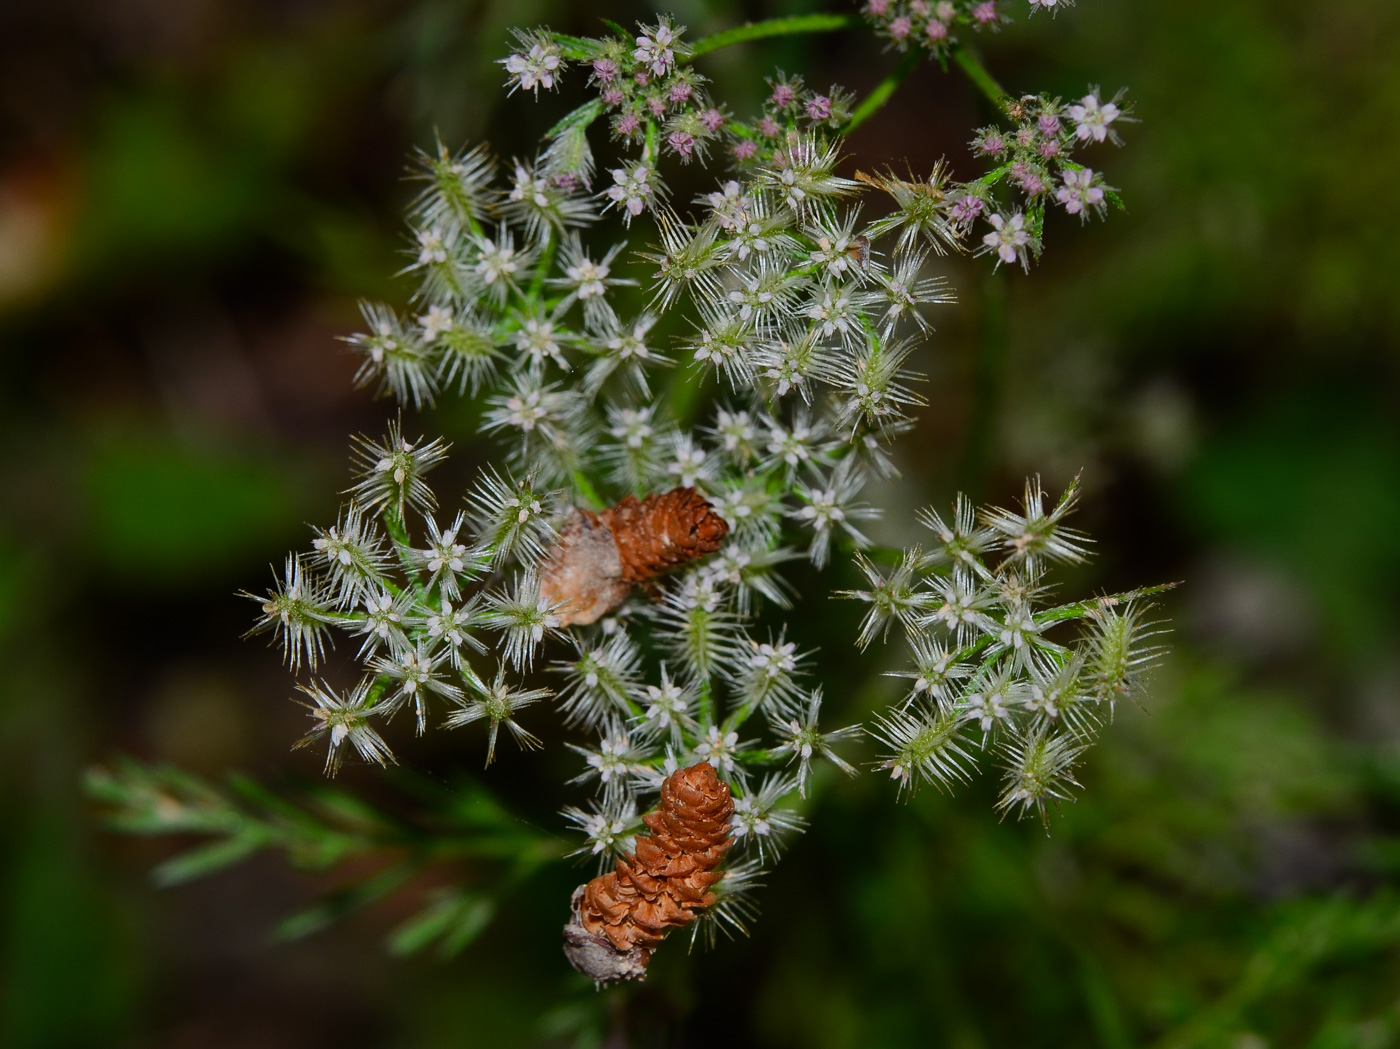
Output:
x=600 y=556
x=621 y=916
x=663 y=531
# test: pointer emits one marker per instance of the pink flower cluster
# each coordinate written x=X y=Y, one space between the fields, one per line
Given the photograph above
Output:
x=790 y=108
x=1034 y=159
x=930 y=24
x=642 y=78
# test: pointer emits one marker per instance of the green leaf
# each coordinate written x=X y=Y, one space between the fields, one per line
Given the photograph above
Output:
x=454 y=918
x=215 y=856
x=166 y=512
x=583 y=115
x=336 y=905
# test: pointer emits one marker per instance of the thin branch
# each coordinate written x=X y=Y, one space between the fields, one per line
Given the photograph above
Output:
x=884 y=90
x=977 y=73
x=794 y=26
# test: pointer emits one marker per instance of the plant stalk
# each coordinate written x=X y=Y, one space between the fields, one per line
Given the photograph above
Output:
x=981 y=79
x=793 y=26
x=883 y=91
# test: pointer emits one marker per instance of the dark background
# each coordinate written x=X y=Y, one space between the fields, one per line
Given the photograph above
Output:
x=194 y=194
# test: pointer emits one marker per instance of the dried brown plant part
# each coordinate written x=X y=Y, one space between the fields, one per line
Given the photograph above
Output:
x=583 y=576
x=663 y=532
x=621 y=916
x=600 y=556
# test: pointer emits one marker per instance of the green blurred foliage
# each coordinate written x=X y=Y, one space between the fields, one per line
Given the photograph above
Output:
x=1223 y=358
x=162 y=512
x=1313 y=481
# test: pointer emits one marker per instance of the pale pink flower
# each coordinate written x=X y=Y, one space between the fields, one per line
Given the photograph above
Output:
x=1008 y=238
x=1092 y=118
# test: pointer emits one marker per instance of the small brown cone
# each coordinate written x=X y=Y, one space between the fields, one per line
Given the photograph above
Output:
x=621 y=916
x=662 y=532
x=600 y=556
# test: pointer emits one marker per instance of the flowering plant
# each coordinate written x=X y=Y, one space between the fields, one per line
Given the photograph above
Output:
x=625 y=554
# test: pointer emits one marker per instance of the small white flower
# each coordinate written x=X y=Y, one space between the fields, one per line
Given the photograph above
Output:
x=688 y=464
x=654 y=50
x=430 y=247
x=1092 y=118
x=632 y=190
x=1018 y=627
x=747 y=819
x=632 y=426
x=603 y=832
x=1008 y=238
x=525 y=411
x=437 y=320
x=537 y=66
x=834 y=255
x=797 y=446
x=718 y=748
x=529 y=188
x=666 y=705
x=774 y=660
x=629 y=345
x=589 y=276
x=345 y=718
x=538 y=341
x=834 y=312
x=986 y=708
x=733 y=506
x=729 y=205
x=736 y=430
x=384 y=622
x=392 y=472
x=823 y=509
x=1079 y=194
x=497 y=263
x=729 y=566
x=610 y=759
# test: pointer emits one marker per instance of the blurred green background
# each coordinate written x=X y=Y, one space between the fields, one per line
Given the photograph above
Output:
x=193 y=195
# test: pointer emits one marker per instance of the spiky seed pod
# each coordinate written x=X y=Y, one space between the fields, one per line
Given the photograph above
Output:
x=621 y=916
x=601 y=556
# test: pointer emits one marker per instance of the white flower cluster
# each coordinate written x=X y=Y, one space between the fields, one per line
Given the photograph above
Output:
x=787 y=298
x=776 y=302
x=988 y=670
x=777 y=292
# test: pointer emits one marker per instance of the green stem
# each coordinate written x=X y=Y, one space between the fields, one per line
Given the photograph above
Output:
x=797 y=24
x=649 y=145
x=884 y=90
x=977 y=73
x=584 y=114
x=585 y=488
x=575 y=48
x=988 y=375
x=705 y=702
x=545 y=264
x=403 y=547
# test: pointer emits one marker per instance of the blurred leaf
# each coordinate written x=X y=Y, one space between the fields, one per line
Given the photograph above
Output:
x=1313 y=481
x=71 y=972
x=454 y=919
x=336 y=905
x=211 y=858
x=164 y=512
x=19 y=570
x=157 y=184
